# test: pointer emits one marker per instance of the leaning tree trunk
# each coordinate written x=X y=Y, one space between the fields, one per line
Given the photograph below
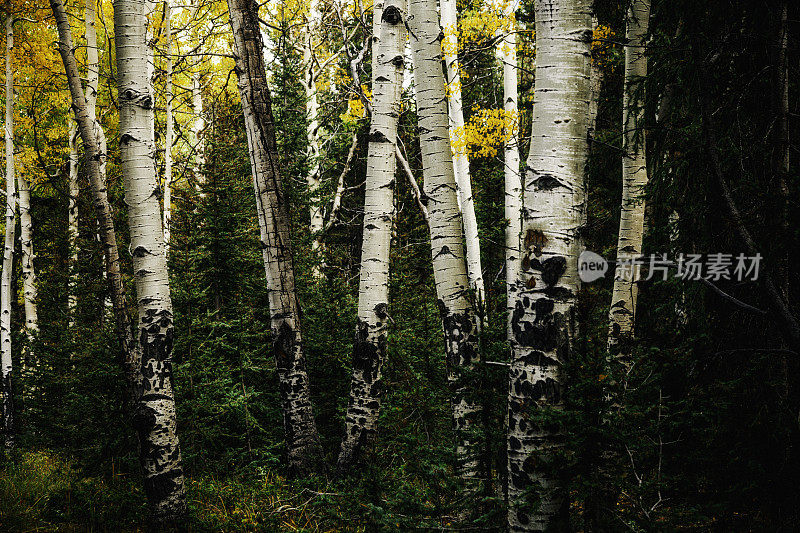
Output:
x=456 y=304
x=512 y=174
x=465 y=199
x=369 y=350
x=634 y=179
x=302 y=439
x=543 y=318
x=6 y=289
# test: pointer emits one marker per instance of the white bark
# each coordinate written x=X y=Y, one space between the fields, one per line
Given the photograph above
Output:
x=634 y=178
x=543 y=318
x=29 y=292
x=198 y=121
x=317 y=221
x=72 y=220
x=154 y=418
x=456 y=305
x=300 y=427
x=6 y=290
x=512 y=173
x=92 y=81
x=465 y=199
x=369 y=351
x=169 y=134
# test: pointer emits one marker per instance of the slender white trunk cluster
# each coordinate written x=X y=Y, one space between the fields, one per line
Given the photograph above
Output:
x=465 y=199
x=456 y=305
x=511 y=172
x=317 y=220
x=169 y=134
x=369 y=350
x=154 y=416
x=634 y=179
x=6 y=290
x=542 y=322
x=301 y=432
x=29 y=292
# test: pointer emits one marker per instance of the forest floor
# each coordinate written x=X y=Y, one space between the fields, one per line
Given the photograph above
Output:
x=42 y=491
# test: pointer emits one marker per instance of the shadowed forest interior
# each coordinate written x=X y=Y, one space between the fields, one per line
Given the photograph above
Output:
x=400 y=265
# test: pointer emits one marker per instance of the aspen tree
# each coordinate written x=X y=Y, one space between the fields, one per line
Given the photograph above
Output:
x=317 y=220
x=634 y=178
x=543 y=321
x=6 y=290
x=466 y=202
x=511 y=171
x=456 y=304
x=302 y=439
x=72 y=219
x=154 y=416
x=169 y=134
x=369 y=350
x=198 y=121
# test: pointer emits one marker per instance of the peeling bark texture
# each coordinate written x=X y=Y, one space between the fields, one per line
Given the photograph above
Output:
x=317 y=220
x=512 y=174
x=302 y=439
x=72 y=221
x=154 y=416
x=456 y=304
x=169 y=134
x=543 y=318
x=466 y=203
x=634 y=178
x=6 y=290
x=369 y=350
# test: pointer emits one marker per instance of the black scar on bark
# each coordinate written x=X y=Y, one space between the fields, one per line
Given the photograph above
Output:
x=541 y=334
x=546 y=182
x=392 y=15
x=283 y=346
x=378 y=137
x=161 y=486
x=459 y=333
x=366 y=356
x=552 y=269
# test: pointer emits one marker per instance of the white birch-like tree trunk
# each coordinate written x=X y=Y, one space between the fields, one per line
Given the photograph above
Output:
x=72 y=221
x=456 y=305
x=300 y=428
x=169 y=133
x=466 y=202
x=7 y=292
x=198 y=117
x=634 y=178
x=317 y=220
x=369 y=350
x=29 y=289
x=154 y=416
x=512 y=174
x=543 y=318
x=92 y=81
